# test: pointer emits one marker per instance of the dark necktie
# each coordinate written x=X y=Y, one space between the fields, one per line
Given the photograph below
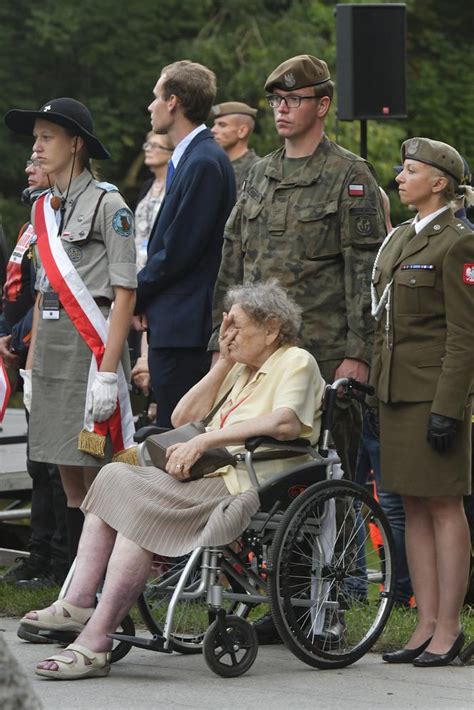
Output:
x=169 y=174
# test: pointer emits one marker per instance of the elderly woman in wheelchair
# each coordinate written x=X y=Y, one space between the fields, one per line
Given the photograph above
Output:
x=264 y=529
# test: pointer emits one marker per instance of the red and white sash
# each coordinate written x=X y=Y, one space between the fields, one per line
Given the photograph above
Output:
x=87 y=318
x=5 y=389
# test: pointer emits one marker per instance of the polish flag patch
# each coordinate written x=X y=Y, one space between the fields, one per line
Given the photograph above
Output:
x=468 y=274
x=356 y=190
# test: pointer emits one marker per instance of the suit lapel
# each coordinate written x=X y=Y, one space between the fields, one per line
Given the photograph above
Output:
x=420 y=240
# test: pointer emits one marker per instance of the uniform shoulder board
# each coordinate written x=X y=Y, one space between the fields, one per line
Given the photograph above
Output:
x=107 y=186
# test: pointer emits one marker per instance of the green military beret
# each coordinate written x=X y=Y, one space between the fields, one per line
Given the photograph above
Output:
x=297 y=72
x=230 y=107
x=440 y=155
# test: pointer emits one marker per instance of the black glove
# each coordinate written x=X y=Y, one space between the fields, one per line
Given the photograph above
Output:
x=441 y=431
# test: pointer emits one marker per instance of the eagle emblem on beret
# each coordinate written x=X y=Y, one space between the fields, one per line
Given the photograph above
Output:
x=412 y=146
x=289 y=79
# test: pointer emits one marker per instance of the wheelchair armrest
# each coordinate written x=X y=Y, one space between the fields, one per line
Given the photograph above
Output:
x=254 y=442
x=145 y=431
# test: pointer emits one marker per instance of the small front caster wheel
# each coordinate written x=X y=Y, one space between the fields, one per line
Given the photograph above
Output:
x=230 y=646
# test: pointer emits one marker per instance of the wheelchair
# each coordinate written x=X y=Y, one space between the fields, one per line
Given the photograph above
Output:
x=307 y=555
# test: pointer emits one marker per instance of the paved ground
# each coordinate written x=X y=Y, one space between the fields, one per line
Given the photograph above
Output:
x=145 y=680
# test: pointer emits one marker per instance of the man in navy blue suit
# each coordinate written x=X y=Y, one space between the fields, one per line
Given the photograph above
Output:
x=175 y=287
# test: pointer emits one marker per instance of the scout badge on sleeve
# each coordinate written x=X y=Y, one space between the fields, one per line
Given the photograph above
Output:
x=5 y=390
x=93 y=328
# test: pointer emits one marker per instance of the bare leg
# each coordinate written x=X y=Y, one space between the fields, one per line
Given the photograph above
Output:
x=95 y=548
x=421 y=557
x=72 y=478
x=452 y=538
x=127 y=571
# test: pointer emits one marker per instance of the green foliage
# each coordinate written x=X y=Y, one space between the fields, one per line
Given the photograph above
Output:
x=109 y=55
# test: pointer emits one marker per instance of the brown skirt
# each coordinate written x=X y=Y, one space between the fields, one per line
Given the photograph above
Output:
x=165 y=516
x=409 y=465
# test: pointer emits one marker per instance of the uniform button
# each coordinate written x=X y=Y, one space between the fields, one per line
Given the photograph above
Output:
x=437 y=226
x=81 y=234
x=80 y=218
x=413 y=281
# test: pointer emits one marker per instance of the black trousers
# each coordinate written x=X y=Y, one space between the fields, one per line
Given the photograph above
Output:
x=48 y=514
x=173 y=372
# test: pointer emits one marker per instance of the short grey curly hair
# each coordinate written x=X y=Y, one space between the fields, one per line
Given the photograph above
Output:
x=267 y=300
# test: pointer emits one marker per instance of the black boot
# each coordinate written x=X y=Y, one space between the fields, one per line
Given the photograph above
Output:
x=75 y=521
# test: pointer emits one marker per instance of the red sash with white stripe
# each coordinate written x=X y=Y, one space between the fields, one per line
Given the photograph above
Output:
x=87 y=318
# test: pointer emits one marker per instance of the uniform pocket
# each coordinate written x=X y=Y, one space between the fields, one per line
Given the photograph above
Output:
x=317 y=227
x=414 y=291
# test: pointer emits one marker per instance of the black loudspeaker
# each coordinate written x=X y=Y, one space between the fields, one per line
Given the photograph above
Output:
x=371 y=61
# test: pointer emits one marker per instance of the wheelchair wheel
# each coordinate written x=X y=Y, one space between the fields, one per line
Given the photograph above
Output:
x=331 y=589
x=232 y=654
x=121 y=648
x=191 y=616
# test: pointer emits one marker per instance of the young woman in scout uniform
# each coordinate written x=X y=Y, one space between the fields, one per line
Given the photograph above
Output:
x=74 y=380
x=423 y=370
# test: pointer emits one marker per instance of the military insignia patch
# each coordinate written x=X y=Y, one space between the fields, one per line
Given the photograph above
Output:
x=75 y=254
x=363 y=226
x=122 y=222
x=412 y=146
x=289 y=79
x=468 y=274
x=356 y=190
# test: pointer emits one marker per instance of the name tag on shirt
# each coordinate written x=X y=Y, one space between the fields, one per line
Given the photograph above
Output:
x=50 y=309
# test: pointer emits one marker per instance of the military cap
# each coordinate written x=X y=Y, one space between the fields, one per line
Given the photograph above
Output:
x=297 y=72
x=440 y=155
x=230 y=107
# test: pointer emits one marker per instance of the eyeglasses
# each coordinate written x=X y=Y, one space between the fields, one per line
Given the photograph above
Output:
x=33 y=163
x=155 y=146
x=274 y=100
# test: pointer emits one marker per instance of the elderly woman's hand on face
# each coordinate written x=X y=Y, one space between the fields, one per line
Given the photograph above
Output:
x=181 y=457
x=227 y=334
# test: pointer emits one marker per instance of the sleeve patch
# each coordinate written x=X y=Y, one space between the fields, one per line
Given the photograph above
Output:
x=122 y=222
x=468 y=274
x=356 y=190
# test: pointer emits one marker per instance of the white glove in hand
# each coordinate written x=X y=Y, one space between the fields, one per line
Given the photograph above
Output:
x=103 y=395
x=26 y=377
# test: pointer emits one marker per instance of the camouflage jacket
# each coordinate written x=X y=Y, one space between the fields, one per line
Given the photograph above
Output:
x=242 y=166
x=317 y=230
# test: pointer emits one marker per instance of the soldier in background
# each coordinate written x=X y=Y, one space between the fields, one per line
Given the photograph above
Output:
x=234 y=123
x=311 y=216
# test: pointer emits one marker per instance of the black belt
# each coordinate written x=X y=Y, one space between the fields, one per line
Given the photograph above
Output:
x=101 y=301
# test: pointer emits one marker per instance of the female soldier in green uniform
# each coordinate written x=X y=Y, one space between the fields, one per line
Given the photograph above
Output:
x=423 y=371
x=96 y=230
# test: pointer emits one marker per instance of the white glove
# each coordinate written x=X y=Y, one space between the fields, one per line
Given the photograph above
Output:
x=26 y=377
x=102 y=397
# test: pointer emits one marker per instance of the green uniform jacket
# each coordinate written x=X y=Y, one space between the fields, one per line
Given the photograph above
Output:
x=316 y=230
x=427 y=352
x=242 y=166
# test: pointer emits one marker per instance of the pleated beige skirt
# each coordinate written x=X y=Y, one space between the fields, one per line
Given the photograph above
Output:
x=165 y=516
x=409 y=465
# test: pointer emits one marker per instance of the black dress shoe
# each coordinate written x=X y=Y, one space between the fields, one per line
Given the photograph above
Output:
x=429 y=660
x=405 y=655
x=266 y=631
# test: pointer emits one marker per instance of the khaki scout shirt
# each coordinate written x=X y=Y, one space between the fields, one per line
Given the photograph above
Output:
x=427 y=353
x=242 y=165
x=317 y=231
x=98 y=238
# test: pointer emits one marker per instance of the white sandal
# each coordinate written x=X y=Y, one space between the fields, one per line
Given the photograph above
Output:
x=74 y=620
x=86 y=664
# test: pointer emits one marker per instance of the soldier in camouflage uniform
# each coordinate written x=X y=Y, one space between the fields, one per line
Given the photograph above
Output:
x=234 y=122
x=311 y=215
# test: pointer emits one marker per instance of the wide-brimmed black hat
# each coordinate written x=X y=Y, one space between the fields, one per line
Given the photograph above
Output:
x=65 y=112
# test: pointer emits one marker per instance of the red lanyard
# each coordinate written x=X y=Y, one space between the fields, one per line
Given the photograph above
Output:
x=224 y=417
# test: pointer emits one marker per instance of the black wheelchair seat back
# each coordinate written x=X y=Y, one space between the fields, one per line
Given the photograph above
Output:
x=279 y=491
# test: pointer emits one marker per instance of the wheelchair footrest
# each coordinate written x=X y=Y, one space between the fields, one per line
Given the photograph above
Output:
x=156 y=643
